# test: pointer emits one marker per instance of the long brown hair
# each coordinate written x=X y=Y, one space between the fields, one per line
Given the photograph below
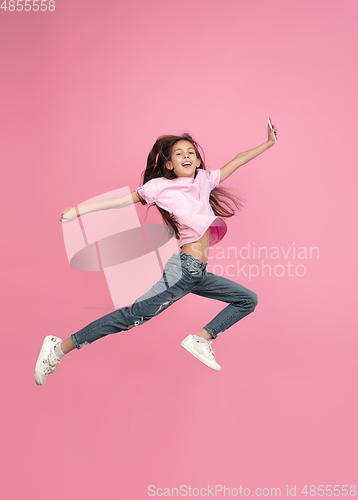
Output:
x=161 y=153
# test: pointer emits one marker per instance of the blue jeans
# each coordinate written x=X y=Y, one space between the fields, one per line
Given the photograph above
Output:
x=182 y=274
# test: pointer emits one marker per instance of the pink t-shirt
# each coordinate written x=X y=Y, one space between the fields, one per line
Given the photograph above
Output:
x=188 y=199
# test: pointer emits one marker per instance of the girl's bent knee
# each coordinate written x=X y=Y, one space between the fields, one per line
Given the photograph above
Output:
x=252 y=300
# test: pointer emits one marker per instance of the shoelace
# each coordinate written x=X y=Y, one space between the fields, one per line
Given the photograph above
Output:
x=210 y=349
x=52 y=366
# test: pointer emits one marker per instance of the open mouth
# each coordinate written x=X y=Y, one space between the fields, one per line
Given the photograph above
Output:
x=186 y=164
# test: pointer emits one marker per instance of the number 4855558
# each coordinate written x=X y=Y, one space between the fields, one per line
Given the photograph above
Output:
x=28 y=5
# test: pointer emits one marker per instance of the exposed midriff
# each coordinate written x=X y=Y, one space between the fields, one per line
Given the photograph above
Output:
x=200 y=248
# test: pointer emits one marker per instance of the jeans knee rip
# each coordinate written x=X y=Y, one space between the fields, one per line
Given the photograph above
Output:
x=162 y=305
x=146 y=318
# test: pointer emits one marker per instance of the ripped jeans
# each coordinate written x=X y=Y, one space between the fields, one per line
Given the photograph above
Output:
x=182 y=274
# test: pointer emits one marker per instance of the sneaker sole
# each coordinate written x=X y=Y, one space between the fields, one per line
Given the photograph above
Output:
x=39 y=359
x=197 y=356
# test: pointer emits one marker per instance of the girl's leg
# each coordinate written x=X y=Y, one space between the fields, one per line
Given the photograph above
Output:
x=161 y=295
x=242 y=301
x=67 y=345
x=204 y=334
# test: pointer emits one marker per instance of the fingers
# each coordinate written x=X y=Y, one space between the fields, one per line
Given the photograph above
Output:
x=63 y=213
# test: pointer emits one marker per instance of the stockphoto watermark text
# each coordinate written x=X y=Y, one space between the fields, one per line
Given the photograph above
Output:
x=307 y=490
x=254 y=261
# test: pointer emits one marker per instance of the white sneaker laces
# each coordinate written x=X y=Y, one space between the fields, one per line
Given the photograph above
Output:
x=52 y=365
x=210 y=349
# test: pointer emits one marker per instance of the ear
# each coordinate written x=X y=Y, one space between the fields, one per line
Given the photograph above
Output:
x=169 y=165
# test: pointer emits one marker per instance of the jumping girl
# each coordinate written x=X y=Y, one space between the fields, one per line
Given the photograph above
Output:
x=189 y=200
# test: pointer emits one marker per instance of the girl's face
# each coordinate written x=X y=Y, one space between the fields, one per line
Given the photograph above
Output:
x=184 y=161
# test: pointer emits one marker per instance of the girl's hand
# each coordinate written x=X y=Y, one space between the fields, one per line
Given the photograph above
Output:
x=68 y=215
x=271 y=133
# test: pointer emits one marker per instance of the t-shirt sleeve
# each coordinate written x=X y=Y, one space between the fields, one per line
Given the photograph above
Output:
x=148 y=192
x=213 y=178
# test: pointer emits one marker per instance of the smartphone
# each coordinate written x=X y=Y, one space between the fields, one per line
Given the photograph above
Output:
x=271 y=128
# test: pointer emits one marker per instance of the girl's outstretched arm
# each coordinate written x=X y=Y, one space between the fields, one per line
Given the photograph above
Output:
x=247 y=156
x=70 y=213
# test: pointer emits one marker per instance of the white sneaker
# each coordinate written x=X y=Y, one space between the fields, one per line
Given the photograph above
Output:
x=201 y=350
x=47 y=362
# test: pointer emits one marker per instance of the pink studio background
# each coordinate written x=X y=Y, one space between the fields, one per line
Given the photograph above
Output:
x=85 y=92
